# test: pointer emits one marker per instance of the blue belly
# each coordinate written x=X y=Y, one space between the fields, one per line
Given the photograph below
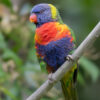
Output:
x=54 y=53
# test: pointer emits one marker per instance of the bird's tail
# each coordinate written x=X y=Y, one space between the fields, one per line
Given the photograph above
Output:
x=68 y=86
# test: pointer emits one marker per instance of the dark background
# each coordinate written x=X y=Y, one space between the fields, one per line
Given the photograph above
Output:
x=20 y=74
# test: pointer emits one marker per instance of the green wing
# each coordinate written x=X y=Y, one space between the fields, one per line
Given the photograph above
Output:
x=42 y=64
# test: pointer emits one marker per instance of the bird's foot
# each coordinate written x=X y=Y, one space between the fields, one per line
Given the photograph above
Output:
x=51 y=79
x=69 y=58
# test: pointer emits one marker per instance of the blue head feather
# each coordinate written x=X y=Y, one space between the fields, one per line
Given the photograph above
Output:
x=43 y=13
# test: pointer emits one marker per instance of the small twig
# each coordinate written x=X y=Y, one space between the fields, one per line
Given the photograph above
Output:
x=67 y=65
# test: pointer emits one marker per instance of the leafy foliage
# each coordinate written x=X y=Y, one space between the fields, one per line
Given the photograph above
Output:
x=90 y=68
x=6 y=2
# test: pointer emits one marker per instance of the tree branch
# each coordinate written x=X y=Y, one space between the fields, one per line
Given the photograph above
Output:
x=67 y=65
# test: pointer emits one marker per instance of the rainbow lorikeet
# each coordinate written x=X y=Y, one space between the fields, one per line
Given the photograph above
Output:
x=54 y=41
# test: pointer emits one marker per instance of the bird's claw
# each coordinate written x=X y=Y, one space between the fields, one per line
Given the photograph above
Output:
x=51 y=79
x=50 y=76
x=69 y=58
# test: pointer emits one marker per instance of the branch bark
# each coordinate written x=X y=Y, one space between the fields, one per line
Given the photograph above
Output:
x=67 y=65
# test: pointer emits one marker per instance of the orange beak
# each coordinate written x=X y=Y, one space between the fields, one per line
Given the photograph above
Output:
x=33 y=18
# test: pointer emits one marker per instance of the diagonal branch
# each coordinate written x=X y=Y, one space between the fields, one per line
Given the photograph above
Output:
x=67 y=65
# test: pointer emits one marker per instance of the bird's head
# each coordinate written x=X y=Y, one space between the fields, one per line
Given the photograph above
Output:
x=43 y=13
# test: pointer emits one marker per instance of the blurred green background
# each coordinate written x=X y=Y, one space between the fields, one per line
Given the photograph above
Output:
x=20 y=73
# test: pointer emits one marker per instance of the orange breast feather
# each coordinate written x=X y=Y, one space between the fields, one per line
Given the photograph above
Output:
x=51 y=31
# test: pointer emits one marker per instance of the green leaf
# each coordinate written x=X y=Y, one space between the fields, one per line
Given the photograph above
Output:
x=2 y=42
x=80 y=79
x=8 y=93
x=8 y=54
x=6 y=2
x=3 y=75
x=91 y=68
x=32 y=55
x=1 y=71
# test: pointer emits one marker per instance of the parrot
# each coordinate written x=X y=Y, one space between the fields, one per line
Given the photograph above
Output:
x=54 y=41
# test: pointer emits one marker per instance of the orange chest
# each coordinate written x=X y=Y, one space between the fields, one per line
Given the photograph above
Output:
x=51 y=31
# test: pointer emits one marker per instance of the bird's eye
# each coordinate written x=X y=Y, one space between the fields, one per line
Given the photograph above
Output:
x=41 y=11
